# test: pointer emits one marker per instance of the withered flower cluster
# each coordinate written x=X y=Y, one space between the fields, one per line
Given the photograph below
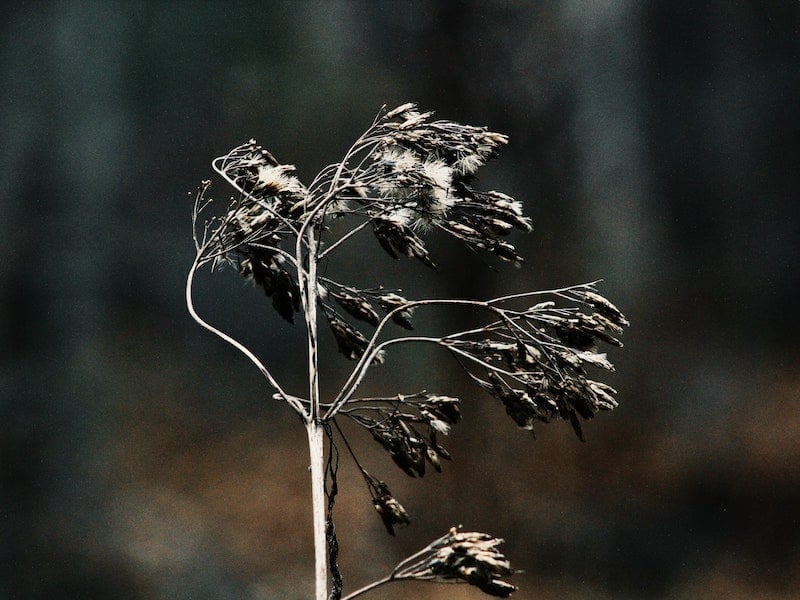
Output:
x=462 y=556
x=270 y=204
x=537 y=361
x=419 y=176
x=413 y=173
x=407 y=427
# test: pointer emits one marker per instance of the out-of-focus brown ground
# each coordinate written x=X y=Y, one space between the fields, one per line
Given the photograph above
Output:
x=234 y=493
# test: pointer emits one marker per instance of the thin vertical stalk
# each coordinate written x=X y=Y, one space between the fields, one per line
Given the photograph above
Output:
x=307 y=277
x=316 y=439
x=308 y=285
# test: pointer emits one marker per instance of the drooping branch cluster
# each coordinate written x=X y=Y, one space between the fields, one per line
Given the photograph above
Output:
x=268 y=210
x=407 y=427
x=416 y=174
x=537 y=361
x=392 y=513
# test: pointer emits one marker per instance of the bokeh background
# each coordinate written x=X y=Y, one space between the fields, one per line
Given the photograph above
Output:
x=654 y=144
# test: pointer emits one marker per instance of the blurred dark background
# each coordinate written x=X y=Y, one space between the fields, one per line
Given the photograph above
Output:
x=654 y=144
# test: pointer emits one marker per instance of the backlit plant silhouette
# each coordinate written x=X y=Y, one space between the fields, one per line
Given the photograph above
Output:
x=406 y=177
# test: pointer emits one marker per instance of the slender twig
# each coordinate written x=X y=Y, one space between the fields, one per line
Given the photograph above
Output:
x=291 y=400
x=371 y=351
x=343 y=239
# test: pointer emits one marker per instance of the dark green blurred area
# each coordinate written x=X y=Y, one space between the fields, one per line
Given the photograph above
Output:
x=655 y=145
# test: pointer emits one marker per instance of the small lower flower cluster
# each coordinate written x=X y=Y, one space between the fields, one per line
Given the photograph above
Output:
x=465 y=556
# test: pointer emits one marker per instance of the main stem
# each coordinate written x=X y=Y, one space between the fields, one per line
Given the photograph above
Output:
x=314 y=426
x=316 y=439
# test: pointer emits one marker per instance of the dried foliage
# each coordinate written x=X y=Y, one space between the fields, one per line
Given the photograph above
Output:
x=406 y=177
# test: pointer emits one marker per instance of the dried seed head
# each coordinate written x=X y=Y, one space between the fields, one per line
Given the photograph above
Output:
x=436 y=425
x=596 y=359
x=350 y=342
x=519 y=405
x=392 y=302
x=396 y=239
x=403 y=108
x=413 y=190
x=583 y=331
x=537 y=363
x=266 y=269
x=606 y=308
x=471 y=557
x=392 y=513
x=468 y=162
x=403 y=443
x=399 y=431
x=603 y=395
x=445 y=408
x=357 y=306
x=276 y=180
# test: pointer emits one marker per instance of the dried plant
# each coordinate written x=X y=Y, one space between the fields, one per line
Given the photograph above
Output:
x=407 y=176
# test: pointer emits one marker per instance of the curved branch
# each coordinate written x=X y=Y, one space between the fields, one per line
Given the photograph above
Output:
x=293 y=401
x=561 y=292
x=370 y=587
x=344 y=238
x=360 y=370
